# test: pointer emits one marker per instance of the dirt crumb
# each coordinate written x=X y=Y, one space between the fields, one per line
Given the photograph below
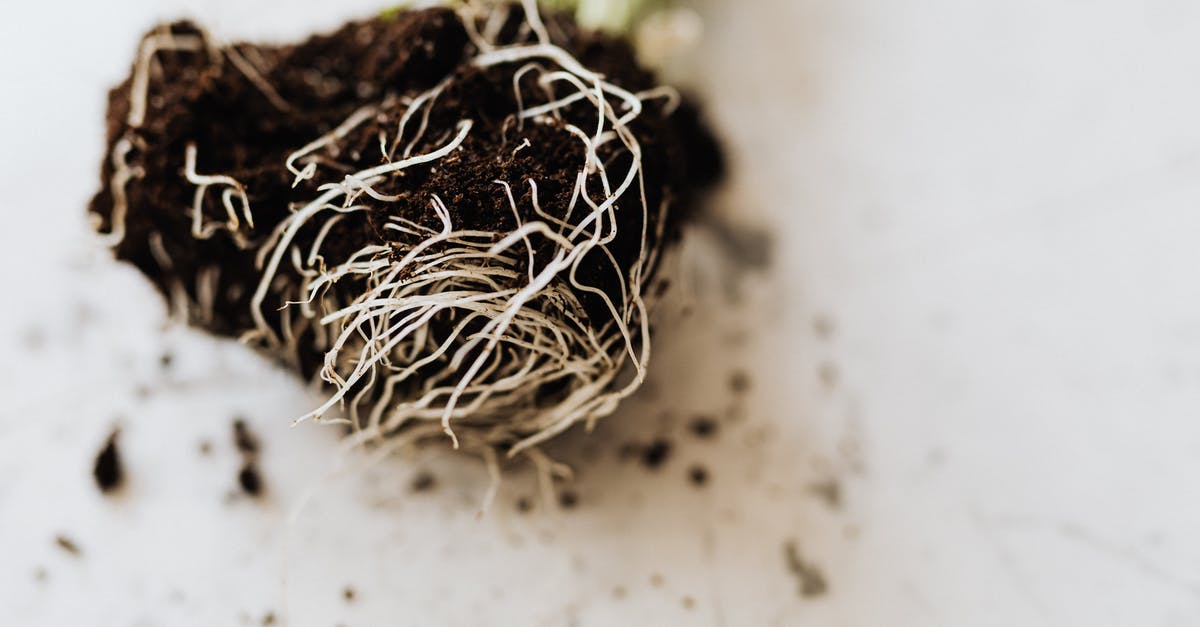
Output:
x=739 y=382
x=824 y=326
x=249 y=479
x=268 y=619
x=107 y=469
x=524 y=505
x=703 y=427
x=811 y=580
x=424 y=481
x=656 y=453
x=568 y=499
x=698 y=475
x=349 y=594
x=245 y=441
x=829 y=374
x=68 y=545
x=829 y=491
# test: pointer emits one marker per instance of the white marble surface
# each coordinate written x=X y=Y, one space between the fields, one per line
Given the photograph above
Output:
x=995 y=205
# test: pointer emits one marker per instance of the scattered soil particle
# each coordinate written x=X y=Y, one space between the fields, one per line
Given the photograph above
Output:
x=657 y=580
x=245 y=441
x=107 y=470
x=698 y=475
x=268 y=619
x=688 y=603
x=568 y=499
x=424 y=481
x=739 y=382
x=205 y=447
x=249 y=479
x=656 y=453
x=824 y=326
x=811 y=580
x=829 y=374
x=166 y=359
x=829 y=491
x=349 y=594
x=619 y=592
x=67 y=545
x=33 y=339
x=524 y=505
x=40 y=574
x=703 y=427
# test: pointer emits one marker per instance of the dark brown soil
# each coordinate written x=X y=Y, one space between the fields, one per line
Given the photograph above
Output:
x=656 y=453
x=107 y=469
x=810 y=580
x=739 y=382
x=68 y=545
x=241 y=129
x=703 y=427
x=245 y=441
x=249 y=479
x=424 y=481
x=698 y=475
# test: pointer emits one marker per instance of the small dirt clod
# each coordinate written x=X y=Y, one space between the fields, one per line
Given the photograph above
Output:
x=68 y=545
x=656 y=454
x=250 y=480
x=107 y=470
x=812 y=582
x=245 y=441
x=703 y=427
x=424 y=481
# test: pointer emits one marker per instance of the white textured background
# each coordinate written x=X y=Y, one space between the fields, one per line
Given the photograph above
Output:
x=995 y=205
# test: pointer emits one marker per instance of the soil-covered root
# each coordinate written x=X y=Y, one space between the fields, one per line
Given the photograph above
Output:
x=451 y=218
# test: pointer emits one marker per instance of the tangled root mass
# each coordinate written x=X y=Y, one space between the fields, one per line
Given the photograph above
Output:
x=451 y=217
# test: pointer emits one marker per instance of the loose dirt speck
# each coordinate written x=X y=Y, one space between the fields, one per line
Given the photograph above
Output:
x=829 y=491
x=250 y=480
x=829 y=374
x=739 y=382
x=703 y=427
x=811 y=580
x=107 y=469
x=656 y=453
x=68 y=545
x=245 y=441
x=423 y=481
x=824 y=326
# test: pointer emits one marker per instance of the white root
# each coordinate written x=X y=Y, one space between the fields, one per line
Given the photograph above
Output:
x=203 y=182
